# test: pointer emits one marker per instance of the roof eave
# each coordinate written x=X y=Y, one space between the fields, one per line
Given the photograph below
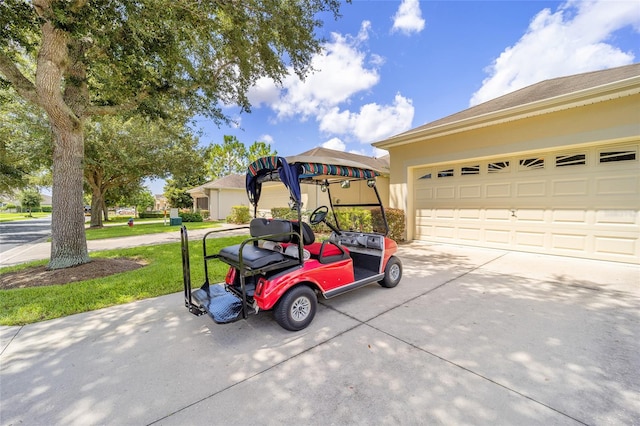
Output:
x=605 y=92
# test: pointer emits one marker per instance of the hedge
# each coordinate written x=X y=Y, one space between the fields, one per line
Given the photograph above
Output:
x=190 y=217
x=149 y=215
x=239 y=215
x=395 y=220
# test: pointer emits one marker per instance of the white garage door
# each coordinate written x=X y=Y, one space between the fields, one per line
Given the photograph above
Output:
x=583 y=203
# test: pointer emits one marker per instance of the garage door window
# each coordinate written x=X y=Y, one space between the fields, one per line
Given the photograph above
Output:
x=470 y=170
x=571 y=160
x=532 y=163
x=613 y=156
x=498 y=167
x=445 y=173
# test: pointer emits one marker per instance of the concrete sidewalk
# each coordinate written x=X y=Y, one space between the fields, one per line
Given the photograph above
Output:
x=42 y=249
x=469 y=336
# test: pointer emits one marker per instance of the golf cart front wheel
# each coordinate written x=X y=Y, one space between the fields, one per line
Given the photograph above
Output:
x=297 y=308
x=392 y=273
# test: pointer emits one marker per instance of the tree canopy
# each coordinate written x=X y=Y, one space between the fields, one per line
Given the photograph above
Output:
x=25 y=144
x=30 y=200
x=119 y=153
x=145 y=57
x=232 y=156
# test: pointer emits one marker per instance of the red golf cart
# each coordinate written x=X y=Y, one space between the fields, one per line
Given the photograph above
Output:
x=282 y=266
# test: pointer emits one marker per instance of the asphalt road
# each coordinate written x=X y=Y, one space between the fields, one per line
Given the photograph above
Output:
x=16 y=233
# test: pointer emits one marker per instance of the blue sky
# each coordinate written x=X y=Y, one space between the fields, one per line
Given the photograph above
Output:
x=390 y=65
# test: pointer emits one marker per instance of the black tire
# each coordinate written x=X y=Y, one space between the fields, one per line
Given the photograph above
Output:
x=296 y=309
x=392 y=273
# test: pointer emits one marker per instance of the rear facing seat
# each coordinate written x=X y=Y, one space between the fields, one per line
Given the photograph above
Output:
x=255 y=257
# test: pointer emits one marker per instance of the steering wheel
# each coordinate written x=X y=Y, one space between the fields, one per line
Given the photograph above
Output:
x=319 y=215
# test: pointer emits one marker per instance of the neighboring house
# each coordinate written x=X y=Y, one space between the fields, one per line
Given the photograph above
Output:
x=551 y=168
x=160 y=202
x=221 y=195
x=45 y=200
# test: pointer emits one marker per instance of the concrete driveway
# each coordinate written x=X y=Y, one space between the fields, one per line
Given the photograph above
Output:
x=470 y=336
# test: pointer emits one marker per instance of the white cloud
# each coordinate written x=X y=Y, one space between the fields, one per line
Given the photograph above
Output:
x=570 y=41
x=335 y=143
x=373 y=122
x=408 y=18
x=264 y=91
x=340 y=71
x=268 y=139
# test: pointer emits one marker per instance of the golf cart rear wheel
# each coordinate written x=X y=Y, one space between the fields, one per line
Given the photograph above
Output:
x=296 y=308
x=392 y=273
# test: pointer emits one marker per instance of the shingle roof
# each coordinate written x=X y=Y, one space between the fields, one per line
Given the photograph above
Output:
x=233 y=181
x=229 y=181
x=543 y=90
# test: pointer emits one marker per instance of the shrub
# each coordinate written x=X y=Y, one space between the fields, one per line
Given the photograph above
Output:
x=284 y=213
x=190 y=217
x=148 y=215
x=47 y=209
x=205 y=214
x=355 y=219
x=395 y=220
x=239 y=215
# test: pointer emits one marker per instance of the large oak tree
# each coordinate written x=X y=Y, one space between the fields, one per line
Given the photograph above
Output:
x=108 y=57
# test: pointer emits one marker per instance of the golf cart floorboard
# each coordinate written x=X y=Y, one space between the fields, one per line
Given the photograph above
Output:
x=224 y=307
x=362 y=273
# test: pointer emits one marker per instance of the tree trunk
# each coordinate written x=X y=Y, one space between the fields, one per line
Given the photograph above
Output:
x=68 y=240
x=105 y=210
x=96 y=207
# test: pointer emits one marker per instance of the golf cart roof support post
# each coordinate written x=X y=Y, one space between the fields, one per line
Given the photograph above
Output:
x=384 y=215
x=333 y=211
x=300 y=238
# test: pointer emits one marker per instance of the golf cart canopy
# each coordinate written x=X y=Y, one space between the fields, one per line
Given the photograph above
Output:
x=293 y=170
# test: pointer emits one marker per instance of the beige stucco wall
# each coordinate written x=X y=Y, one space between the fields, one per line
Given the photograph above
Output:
x=222 y=201
x=615 y=120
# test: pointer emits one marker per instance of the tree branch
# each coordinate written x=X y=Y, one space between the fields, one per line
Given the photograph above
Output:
x=96 y=110
x=21 y=84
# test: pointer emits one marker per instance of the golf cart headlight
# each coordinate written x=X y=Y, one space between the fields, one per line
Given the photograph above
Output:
x=371 y=183
x=345 y=184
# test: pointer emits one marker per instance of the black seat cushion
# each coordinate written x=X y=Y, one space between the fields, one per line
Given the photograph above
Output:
x=252 y=256
x=308 y=237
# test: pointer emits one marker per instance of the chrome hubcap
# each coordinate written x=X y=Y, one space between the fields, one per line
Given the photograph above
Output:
x=394 y=272
x=300 y=308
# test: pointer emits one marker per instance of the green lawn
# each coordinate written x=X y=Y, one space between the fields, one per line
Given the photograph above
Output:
x=9 y=217
x=163 y=275
x=123 y=230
